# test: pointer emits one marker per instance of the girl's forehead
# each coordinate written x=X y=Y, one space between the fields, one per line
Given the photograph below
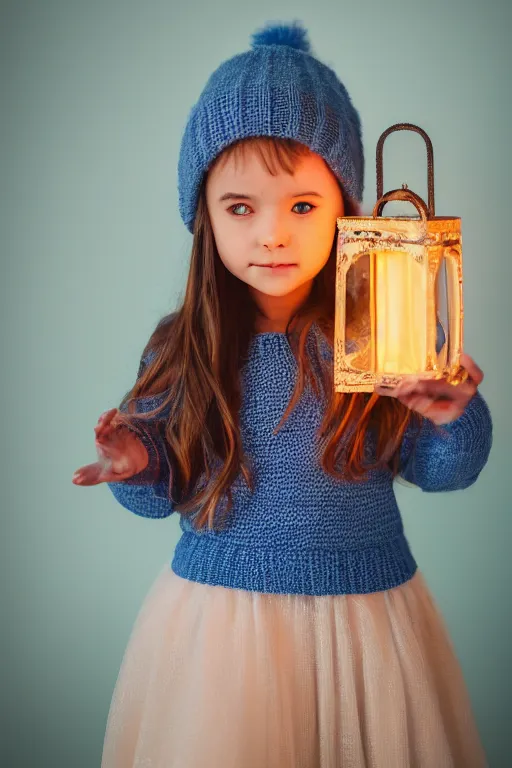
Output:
x=250 y=166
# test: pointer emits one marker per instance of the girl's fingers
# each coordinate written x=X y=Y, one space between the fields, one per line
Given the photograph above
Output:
x=105 y=422
x=418 y=403
x=116 y=448
x=436 y=398
x=435 y=389
x=100 y=472
x=117 y=477
x=441 y=390
x=105 y=461
x=102 y=430
x=90 y=474
x=475 y=372
x=111 y=434
x=107 y=416
x=110 y=452
x=404 y=388
x=112 y=443
x=439 y=411
x=122 y=454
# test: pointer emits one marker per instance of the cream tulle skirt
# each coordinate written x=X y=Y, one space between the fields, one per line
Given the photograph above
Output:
x=221 y=678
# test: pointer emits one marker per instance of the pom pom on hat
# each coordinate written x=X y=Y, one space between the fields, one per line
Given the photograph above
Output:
x=293 y=35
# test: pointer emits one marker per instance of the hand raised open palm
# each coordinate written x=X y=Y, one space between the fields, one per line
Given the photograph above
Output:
x=120 y=453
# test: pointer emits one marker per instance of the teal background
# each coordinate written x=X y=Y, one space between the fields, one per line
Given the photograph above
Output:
x=94 y=99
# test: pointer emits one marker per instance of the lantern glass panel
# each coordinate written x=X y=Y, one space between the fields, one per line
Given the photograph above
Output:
x=401 y=312
x=442 y=315
x=358 y=315
x=386 y=313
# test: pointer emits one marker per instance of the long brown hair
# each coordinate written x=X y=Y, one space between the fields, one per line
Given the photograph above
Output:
x=198 y=353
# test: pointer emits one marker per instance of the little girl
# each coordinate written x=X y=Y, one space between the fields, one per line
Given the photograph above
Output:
x=293 y=628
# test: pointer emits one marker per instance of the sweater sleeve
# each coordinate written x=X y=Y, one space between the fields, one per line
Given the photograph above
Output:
x=451 y=456
x=148 y=492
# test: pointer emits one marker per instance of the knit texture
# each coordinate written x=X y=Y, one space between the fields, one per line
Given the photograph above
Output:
x=276 y=89
x=301 y=530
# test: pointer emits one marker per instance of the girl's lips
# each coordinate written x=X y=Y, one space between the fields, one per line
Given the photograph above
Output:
x=275 y=267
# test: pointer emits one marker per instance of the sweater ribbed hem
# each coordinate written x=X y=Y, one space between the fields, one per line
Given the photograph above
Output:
x=207 y=560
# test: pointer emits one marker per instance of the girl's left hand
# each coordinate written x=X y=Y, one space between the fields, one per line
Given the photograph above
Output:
x=435 y=398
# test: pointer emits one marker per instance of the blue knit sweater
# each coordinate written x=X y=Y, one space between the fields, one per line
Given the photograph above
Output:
x=301 y=531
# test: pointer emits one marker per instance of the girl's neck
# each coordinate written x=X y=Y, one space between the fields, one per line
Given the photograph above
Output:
x=275 y=312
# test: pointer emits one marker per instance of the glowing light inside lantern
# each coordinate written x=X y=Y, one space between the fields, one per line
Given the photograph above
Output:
x=401 y=307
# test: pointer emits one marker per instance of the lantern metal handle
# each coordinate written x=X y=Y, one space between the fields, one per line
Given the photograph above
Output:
x=402 y=194
x=430 y=162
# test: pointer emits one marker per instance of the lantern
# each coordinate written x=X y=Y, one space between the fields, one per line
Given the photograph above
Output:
x=399 y=308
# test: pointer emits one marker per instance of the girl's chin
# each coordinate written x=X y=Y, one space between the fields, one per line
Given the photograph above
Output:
x=275 y=292
x=279 y=287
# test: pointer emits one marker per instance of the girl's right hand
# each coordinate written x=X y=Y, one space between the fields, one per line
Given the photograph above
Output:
x=120 y=453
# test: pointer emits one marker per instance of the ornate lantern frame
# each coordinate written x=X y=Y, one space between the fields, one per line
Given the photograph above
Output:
x=399 y=299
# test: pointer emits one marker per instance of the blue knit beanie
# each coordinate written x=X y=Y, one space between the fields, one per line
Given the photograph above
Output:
x=276 y=89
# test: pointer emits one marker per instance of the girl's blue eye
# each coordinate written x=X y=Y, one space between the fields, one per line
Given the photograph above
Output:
x=311 y=207
x=238 y=205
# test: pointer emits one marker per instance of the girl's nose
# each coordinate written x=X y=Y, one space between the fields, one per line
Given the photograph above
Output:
x=274 y=235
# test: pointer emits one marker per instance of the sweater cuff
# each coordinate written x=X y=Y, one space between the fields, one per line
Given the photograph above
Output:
x=157 y=470
x=472 y=425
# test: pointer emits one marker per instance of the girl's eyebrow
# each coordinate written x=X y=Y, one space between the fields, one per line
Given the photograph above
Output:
x=241 y=196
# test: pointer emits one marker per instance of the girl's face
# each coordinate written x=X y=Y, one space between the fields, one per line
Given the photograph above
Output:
x=273 y=232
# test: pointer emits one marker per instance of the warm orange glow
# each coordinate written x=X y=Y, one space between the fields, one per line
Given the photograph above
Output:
x=401 y=313
x=399 y=309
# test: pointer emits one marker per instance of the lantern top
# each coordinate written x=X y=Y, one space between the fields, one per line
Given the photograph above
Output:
x=426 y=210
x=402 y=217
x=413 y=229
x=430 y=164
